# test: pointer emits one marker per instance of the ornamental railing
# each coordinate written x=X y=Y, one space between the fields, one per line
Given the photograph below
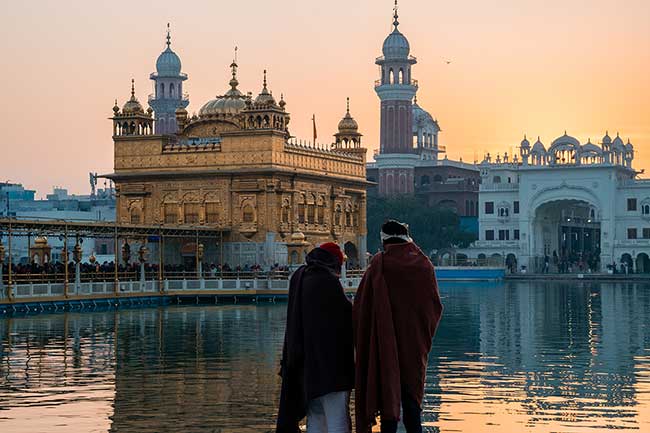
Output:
x=413 y=83
x=91 y=292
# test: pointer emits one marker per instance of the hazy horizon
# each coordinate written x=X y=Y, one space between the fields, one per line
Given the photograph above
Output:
x=535 y=68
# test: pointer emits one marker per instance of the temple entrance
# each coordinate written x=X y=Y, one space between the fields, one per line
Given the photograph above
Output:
x=643 y=264
x=352 y=254
x=188 y=255
x=511 y=263
x=567 y=232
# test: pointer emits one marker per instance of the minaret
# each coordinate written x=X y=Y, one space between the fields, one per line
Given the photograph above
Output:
x=168 y=94
x=396 y=89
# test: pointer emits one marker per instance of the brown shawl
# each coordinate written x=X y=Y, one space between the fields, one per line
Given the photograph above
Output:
x=396 y=313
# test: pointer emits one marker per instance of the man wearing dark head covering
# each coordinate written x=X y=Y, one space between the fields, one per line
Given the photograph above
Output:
x=396 y=313
x=317 y=365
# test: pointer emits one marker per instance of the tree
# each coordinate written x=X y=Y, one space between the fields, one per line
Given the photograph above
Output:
x=431 y=227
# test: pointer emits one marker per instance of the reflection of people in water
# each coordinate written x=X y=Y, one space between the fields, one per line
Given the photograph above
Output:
x=396 y=313
x=317 y=366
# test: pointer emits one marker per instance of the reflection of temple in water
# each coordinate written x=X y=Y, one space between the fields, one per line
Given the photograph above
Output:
x=567 y=351
x=174 y=364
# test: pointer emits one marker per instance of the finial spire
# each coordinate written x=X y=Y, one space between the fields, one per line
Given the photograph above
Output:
x=132 y=88
x=265 y=78
x=169 y=37
x=395 y=16
x=348 y=105
x=233 y=67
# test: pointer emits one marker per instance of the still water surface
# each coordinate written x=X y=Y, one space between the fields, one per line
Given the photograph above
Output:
x=524 y=357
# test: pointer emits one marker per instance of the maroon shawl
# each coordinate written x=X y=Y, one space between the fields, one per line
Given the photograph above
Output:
x=396 y=312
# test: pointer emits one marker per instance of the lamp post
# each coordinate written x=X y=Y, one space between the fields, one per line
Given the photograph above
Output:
x=76 y=256
x=64 y=259
x=143 y=252
x=199 y=251
x=9 y=270
x=2 y=261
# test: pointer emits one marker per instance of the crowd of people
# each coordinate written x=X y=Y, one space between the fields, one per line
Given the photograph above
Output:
x=54 y=271
x=585 y=262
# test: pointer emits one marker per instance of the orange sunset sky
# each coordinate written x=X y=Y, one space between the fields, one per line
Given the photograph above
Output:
x=517 y=66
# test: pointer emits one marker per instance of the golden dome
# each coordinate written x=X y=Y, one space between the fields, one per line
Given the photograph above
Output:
x=348 y=124
x=298 y=236
x=232 y=102
x=265 y=98
x=40 y=241
x=132 y=106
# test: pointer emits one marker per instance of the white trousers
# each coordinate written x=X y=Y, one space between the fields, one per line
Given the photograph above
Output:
x=330 y=414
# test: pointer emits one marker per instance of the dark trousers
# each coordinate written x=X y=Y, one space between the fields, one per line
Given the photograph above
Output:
x=411 y=417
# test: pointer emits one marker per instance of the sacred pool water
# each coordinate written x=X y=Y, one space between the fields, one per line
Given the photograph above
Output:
x=524 y=357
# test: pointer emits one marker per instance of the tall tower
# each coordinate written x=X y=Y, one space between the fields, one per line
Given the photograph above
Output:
x=168 y=90
x=396 y=89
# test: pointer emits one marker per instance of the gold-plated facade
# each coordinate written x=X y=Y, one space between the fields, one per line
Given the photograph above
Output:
x=236 y=167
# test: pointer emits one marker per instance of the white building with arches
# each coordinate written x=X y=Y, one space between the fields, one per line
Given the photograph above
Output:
x=577 y=207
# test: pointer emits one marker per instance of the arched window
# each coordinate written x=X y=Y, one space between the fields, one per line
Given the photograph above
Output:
x=136 y=215
x=162 y=90
x=400 y=78
x=248 y=215
x=337 y=215
x=424 y=180
x=191 y=213
x=170 y=212
x=311 y=210
x=321 y=211
x=212 y=213
x=496 y=179
x=285 y=212
x=645 y=209
x=391 y=76
x=171 y=90
x=302 y=209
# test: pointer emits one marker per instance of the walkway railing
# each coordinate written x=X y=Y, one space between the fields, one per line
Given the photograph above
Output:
x=28 y=291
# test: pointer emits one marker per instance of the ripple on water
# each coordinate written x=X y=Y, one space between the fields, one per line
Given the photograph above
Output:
x=534 y=357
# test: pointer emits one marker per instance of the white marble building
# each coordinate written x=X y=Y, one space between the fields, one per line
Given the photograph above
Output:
x=577 y=206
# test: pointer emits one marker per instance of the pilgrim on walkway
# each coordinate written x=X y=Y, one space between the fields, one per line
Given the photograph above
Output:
x=396 y=313
x=317 y=365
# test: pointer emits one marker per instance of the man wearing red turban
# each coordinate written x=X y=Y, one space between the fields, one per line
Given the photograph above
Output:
x=317 y=365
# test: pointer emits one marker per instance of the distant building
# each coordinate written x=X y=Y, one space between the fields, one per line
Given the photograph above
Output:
x=408 y=162
x=59 y=205
x=576 y=206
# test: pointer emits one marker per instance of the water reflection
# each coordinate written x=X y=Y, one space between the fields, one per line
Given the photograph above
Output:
x=543 y=357
x=547 y=357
